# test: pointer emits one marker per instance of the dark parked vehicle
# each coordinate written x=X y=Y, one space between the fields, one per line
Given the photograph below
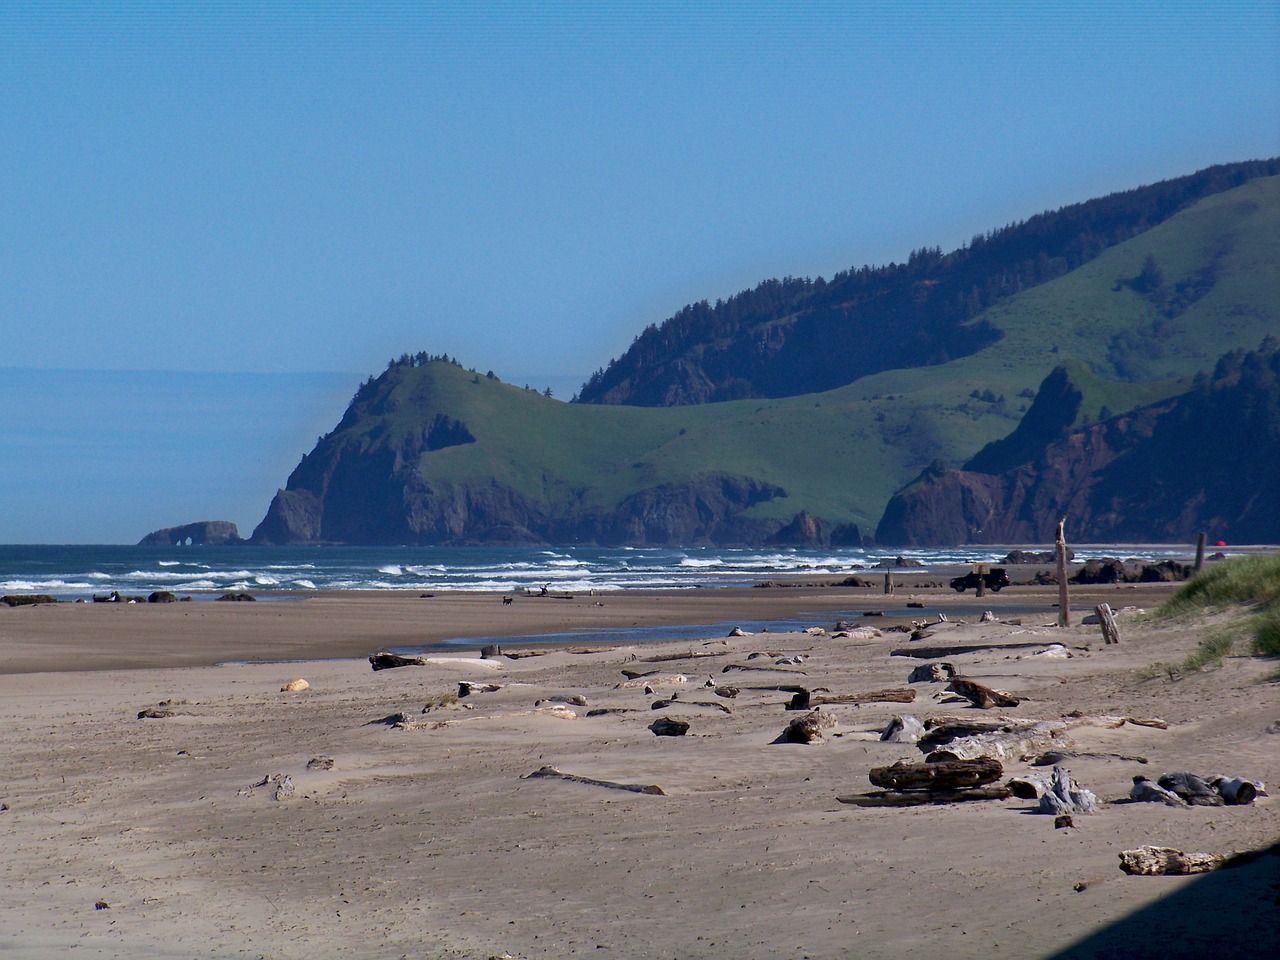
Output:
x=994 y=580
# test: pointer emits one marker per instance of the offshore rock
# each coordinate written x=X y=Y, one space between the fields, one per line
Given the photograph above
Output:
x=202 y=533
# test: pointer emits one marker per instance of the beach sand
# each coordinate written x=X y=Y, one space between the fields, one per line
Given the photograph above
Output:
x=433 y=842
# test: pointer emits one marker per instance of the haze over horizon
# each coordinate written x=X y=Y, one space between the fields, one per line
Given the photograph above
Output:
x=274 y=190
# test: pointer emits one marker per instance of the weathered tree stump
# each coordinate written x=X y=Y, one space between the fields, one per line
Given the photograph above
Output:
x=1066 y=797
x=807 y=729
x=669 y=727
x=903 y=729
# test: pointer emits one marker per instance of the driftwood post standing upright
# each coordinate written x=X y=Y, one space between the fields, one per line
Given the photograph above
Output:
x=1064 y=598
x=1110 y=632
x=888 y=582
x=1200 y=552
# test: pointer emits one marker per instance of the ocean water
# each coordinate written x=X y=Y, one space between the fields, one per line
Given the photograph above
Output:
x=79 y=572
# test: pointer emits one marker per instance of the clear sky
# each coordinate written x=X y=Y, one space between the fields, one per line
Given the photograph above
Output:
x=307 y=187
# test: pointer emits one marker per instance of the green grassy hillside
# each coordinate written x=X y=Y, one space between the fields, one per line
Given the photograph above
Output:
x=841 y=454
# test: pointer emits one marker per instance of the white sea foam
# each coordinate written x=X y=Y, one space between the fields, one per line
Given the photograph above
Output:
x=391 y=570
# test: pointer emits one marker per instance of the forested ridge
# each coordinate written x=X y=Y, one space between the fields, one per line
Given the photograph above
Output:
x=794 y=335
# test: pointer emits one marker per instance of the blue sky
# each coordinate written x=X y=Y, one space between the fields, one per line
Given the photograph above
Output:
x=312 y=188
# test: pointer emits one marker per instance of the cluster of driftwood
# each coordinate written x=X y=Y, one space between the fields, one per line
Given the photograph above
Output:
x=1182 y=789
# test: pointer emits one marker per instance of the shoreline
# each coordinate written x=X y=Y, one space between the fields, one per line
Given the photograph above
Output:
x=329 y=625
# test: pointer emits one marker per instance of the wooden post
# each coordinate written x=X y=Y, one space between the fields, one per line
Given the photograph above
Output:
x=1110 y=632
x=888 y=582
x=1064 y=598
x=1200 y=552
x=981 y=570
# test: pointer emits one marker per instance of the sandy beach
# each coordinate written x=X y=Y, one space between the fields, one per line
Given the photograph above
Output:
x=158 y=837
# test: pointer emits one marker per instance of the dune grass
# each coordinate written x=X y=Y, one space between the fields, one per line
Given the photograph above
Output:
x=1251 y=584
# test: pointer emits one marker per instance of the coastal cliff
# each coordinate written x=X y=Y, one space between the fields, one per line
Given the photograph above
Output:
x=1207 y=459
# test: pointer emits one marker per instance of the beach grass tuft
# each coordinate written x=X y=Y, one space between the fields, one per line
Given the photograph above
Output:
x=1249 y=583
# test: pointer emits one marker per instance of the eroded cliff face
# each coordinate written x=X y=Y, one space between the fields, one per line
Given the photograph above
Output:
x=1206 y=460
x=375 y=480
x=404 y=508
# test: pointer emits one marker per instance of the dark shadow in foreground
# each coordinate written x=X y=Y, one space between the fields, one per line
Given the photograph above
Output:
x=1234 y=908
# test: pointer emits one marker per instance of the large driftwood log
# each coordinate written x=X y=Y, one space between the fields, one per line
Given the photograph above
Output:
x=651 y=789
x=917 y=798
x=891 y=695
x=690 y=655
x=803 y=698
x=1014 y=743
x=953 y=775
x=1166 y=861
x=942 y=730
x=389 y=661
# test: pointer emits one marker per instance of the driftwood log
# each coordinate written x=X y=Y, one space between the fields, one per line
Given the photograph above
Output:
x=949 y=775
x=917 y=798
x=892 y=695
x=468 y=687
x=980 y=695
x=1107 y=620
x=807 y=729
x=804 y=699
x=389 y=661
x=1166 y=861
x=942 y=653
x=1012 y=742
x=551 y=772
x=690 y=655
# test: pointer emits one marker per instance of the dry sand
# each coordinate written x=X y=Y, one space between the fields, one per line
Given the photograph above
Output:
x=432 y=842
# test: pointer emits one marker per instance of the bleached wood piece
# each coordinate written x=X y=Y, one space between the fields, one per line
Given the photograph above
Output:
x=1166 y=861
x=1005 y=745
x=1107 y=620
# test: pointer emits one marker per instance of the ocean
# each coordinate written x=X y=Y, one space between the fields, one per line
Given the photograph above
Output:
x=75 y=572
